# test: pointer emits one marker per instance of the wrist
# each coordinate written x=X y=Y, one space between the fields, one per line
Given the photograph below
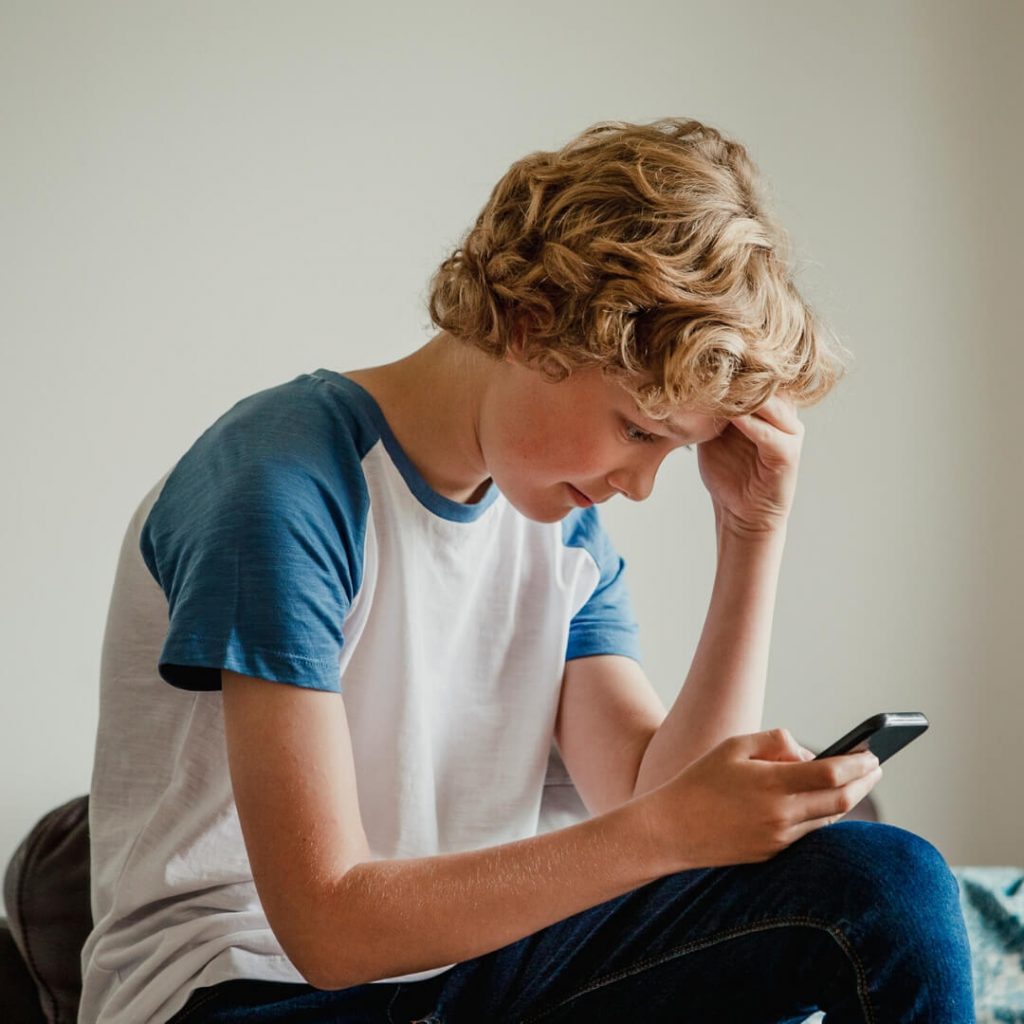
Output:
x=771 y=531
x=654 y=846
x=735 y=535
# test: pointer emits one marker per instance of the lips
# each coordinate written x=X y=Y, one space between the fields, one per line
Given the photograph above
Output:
x=581 y=499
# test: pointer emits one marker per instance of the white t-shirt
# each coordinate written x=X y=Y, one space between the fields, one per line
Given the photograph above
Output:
x=296 y=542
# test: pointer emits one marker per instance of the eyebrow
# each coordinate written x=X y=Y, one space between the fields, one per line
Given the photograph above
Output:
x=683 y=435
x=678 y=432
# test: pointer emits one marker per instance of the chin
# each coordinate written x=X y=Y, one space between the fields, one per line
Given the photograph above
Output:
x=548 y=512
x=547 y=515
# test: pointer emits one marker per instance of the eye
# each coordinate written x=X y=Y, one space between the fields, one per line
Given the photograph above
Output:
x=634 y=433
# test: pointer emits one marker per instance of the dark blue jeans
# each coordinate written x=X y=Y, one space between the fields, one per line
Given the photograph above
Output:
x=859 y=919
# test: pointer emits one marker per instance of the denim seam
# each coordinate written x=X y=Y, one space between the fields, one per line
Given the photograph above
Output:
x=391 y=1003
x=691 y=947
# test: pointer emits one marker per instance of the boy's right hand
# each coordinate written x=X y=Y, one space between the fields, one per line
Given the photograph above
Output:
x=750 y=797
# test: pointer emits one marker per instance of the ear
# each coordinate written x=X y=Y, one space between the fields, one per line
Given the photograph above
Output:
x=517 y=346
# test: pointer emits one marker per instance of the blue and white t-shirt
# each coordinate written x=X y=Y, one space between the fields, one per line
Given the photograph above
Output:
x=296 y=542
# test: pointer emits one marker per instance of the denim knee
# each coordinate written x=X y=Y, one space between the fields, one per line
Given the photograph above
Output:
x=901 y=853
x=899 y=869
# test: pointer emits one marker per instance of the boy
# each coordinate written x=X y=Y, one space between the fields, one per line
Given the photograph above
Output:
x=381 y=597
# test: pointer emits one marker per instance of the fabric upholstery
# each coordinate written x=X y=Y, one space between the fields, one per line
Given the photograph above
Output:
x=46 y=891
x=18 y=995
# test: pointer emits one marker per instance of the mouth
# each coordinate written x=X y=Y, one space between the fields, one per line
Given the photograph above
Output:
x=580 y=498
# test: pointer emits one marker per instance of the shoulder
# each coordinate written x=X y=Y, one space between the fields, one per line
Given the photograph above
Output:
x=304 y=428
x=280 y=464
x=309 y=418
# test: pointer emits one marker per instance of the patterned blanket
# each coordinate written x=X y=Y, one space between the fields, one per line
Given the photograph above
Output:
x=992 y=900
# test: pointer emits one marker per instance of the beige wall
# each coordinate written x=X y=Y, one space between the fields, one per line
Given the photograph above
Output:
x=200 y=200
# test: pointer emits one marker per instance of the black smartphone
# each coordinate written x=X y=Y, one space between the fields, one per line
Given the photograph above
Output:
x=882 y=734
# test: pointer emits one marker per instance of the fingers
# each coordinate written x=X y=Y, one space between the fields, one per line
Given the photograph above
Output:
x=828 y=773
x=833 y=804
x=768 y=439
x=777 y=413
x=780 y=412
x=772 y=745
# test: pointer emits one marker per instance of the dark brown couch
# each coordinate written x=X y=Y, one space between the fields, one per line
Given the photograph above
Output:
x=46 y=893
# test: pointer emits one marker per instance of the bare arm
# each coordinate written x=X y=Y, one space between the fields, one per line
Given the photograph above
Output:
x=724 y=690
x=430 y=911
x=345 y=919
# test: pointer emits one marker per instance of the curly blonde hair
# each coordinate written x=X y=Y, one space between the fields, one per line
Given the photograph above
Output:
x=646 y=250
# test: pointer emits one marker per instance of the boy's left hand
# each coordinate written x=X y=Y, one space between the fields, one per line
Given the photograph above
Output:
x=750 y=469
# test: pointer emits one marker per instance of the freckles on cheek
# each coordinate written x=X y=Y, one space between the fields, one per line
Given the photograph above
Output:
x=524 y=450
x=586 y=454
x=552 y=451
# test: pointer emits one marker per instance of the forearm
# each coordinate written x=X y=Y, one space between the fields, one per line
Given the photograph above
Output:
x=723 y=694
x=392 y=917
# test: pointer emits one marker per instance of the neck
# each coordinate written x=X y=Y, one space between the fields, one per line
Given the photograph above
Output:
x=431 y=400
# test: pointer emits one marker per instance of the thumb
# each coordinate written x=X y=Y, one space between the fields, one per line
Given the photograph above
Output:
x=778 y=745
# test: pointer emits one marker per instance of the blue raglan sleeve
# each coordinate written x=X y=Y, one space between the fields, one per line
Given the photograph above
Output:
x=256 y=541
x=605 y=624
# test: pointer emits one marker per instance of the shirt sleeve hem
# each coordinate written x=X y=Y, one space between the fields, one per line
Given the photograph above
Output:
x=195 y=663
x=603 y=642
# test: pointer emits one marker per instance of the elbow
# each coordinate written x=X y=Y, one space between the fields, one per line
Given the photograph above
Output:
x=322 y=968
x=317 y=967
x=327 y=939
x=325 y=965
x=329 y=967
x=321 y=977
x=331 y=973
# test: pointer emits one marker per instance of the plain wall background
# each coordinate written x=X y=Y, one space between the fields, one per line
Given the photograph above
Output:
x=202 y=200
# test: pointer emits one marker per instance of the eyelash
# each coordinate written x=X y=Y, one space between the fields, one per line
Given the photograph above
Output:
x=643 y=435
x=634 y=433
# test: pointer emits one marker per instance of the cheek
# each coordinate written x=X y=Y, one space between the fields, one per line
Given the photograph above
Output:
x=514 y=452
x=585 y=456
x=526 y=446
x=546 y=440
x=545 y=457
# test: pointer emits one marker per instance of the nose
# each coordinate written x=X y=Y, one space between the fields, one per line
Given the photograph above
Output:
x=635 y=482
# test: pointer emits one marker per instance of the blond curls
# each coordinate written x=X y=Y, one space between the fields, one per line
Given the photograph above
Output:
x=647 y=251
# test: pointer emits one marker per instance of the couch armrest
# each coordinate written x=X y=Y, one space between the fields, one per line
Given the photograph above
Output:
x=17 y=989
x=46 y=892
